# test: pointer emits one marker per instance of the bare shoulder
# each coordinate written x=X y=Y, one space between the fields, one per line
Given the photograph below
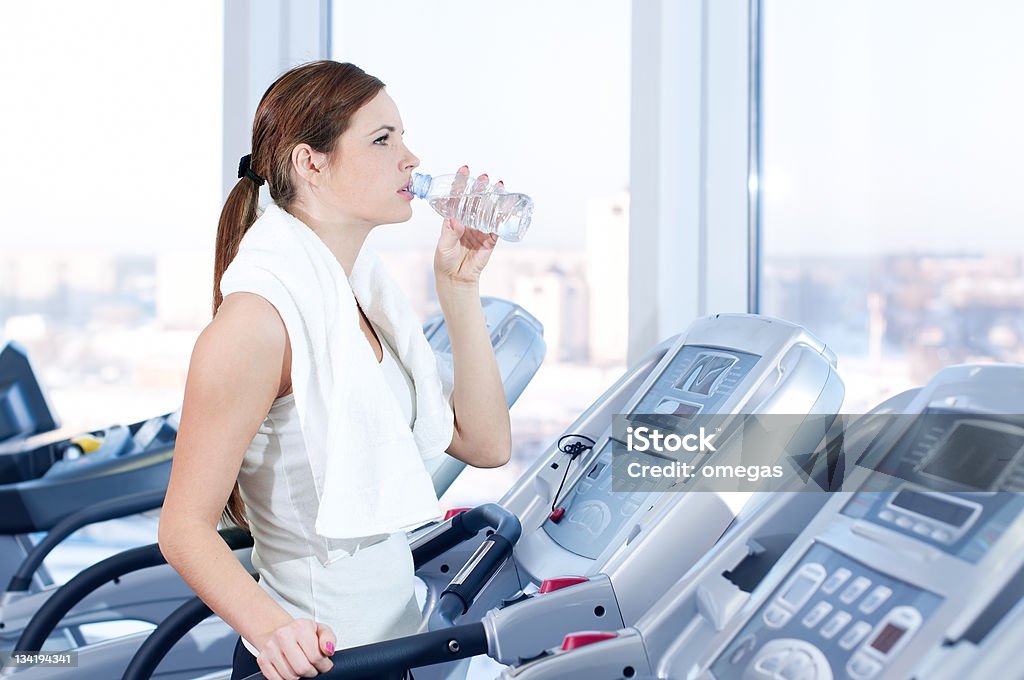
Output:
x=246 y=342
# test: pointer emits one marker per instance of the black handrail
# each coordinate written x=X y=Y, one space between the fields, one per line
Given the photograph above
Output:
x=101 y=512
x=413 y=651
x=42 y=624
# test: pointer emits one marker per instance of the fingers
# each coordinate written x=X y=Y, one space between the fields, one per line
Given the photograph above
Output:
x=296 y=650
x=327 y=643
x=296 y=658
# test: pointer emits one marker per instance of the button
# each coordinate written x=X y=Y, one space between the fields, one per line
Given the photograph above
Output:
x=745 y=646
x=775 y=616
x=454 y=511
x=577 y=640
x=942 y=536
x=835 y=580
x=796 y=665
x=629 y=508
x=886 y=515
x=817 y=614
x=770 y=664
x=550 y=585
x=862 y=667
x=904 y=522
x=855 y=589
x=853 y=636
x=834 y=625
x=875 y=599
x=922 y=528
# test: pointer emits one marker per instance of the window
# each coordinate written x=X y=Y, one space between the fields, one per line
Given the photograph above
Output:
x=891 y=150
x=112 y=135
x=537 y=94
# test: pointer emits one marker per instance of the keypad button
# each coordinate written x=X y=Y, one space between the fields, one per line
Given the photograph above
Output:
x=817 y=614
x=837 y=579
x=853 y=636
x=863 y=667
x=855 y=589
x=745 y=646
x=904 y=522
x=873 y=601
x=775 y=616
x=886 y=515
x=770 y=664
x=834 y=625
x=796 y=666
x=942 y=535
x=922 y=528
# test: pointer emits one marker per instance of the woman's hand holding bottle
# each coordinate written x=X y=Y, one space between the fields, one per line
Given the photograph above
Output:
x=299 y=649
x=462 y=252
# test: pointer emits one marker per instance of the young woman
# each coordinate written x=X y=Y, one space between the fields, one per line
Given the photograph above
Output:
x=327 y=139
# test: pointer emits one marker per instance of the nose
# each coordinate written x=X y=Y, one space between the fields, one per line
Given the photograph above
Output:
x=410 y=161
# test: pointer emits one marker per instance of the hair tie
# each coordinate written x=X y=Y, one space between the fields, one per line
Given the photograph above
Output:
x=245 y=171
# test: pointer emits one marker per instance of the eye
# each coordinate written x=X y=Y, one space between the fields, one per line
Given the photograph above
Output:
x=382 y=139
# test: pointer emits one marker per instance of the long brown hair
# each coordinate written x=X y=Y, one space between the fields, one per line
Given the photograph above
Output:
x=310 y=104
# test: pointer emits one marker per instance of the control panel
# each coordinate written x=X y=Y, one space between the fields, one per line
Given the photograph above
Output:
x=696 y=380
x=830 y=613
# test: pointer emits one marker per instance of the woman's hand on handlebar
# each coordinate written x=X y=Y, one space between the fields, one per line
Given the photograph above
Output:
x=300 y=649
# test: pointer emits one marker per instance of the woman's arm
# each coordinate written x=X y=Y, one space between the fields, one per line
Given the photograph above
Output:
x=483 y=434
x=233 y=378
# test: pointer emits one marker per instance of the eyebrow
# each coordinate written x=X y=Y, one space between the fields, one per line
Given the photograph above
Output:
x=389 y=128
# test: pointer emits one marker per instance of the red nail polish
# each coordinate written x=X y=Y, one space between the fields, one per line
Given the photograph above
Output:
x=464 y=167
x=330 y=648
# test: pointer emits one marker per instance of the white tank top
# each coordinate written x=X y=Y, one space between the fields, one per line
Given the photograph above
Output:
x=365 y=593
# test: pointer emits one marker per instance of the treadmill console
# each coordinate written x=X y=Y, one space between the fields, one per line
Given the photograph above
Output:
x=696 y=380
x=935 y=485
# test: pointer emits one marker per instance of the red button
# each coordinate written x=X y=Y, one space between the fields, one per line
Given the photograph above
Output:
x=576 y=640
x=454 y=511
x=552 y=584
x=556 y=515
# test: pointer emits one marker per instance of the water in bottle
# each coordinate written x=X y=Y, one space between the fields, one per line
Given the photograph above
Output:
x=477 y=204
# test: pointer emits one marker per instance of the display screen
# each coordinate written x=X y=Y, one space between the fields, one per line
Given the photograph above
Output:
x=705 y=372
x=889 y=636
x=798 y=590
x=929 y=505
x=974 y=455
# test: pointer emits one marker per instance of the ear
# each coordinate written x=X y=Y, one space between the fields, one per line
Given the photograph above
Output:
x=309 y=164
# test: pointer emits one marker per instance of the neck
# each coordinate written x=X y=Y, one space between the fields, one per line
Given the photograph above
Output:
x=342 y=238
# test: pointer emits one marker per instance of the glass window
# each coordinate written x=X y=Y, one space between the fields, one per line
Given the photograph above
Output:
x=537 y=94
x=111 y=131
x=891 y=152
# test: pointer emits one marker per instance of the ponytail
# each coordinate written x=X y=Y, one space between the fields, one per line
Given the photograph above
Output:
x=235 y=219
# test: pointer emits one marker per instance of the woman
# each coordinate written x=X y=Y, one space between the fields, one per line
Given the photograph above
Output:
x=327 y=139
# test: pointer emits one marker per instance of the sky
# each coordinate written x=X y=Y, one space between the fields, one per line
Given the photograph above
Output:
x=115 y=138
x=892 y=125
x=889 y=124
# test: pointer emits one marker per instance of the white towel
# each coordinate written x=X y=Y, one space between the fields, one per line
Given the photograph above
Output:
x=367 y=465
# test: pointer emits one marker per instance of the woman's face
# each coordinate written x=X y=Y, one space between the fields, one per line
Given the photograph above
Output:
x=371 y=167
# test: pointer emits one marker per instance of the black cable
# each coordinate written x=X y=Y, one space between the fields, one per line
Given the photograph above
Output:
x=573 y=450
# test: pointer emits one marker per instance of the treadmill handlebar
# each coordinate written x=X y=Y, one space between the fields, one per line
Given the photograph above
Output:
x=422 y=649
x=465 y=526
x=458 y=597
x=101 y=512
x=42 y=624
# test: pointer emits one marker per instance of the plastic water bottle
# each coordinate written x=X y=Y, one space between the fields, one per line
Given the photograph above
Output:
x=475 y=203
